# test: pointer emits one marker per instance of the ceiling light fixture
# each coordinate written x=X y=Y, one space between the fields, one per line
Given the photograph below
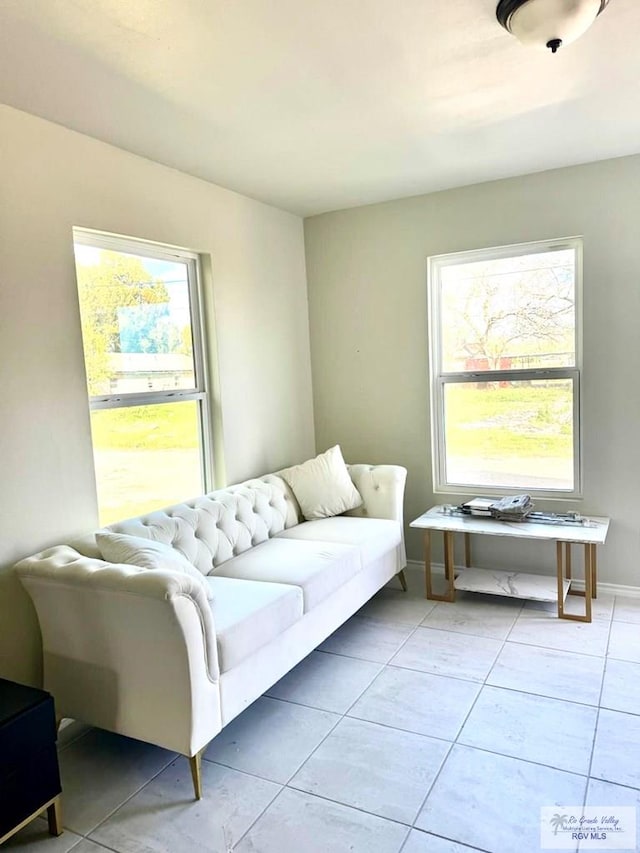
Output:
x=548 y=23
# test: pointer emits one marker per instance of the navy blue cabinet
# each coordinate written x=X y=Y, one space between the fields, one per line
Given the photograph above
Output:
x=29 y=775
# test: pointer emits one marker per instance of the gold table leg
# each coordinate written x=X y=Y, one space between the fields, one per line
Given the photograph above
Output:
x=564 y=569
x=427 y=565
x=449 y=573
x=560 y=577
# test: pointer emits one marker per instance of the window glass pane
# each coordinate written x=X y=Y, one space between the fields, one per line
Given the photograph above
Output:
x=136 y=322
x=510 y=434
x=509 y=313
x=146 y=457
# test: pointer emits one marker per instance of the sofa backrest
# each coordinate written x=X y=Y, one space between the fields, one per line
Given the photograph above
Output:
x=215 y=527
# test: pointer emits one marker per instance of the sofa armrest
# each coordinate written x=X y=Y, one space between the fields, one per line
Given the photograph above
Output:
x=126 y=649
x=382 y=490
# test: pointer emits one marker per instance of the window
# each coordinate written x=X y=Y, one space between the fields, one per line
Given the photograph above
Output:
x=142 y=335
x=505 y=378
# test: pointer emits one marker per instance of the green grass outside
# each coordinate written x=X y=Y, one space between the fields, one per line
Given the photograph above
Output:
x=523 y=422
x=144 y=454
x=170 y=426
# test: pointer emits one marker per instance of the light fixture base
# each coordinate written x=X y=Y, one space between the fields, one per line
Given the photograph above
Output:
x=548 y=24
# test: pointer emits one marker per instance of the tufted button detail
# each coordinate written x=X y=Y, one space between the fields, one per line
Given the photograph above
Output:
x=377 y=488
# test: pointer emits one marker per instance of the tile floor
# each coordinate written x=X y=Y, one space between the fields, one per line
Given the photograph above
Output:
x=417 y=727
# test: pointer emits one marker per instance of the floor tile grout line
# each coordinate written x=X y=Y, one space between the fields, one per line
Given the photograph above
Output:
x=340 y=714
x=552 y=649
x=91 y=841
x=382 y=667
x=555 y=648
x=449 y=751
x=175 y=756
x=525 y=760
x=359 y=809
x=432 y=786
x=344 y=715
x=429 y=833
x=312 y=753
x=438 y=675
x=486 y=684
x=541 y=695
x=405 y=841
x=398 y=729
x=461 y=727
x=512 y=642
x=318 y=795
x=411 y=668
x=595 y=730
x=234 y=844
x=219 y=763
x=460 y=730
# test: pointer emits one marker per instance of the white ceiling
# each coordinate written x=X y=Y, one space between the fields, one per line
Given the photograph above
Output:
x=315 y=105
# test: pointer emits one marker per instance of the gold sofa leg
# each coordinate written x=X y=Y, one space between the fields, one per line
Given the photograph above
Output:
x=403 y=580
x=195 y=762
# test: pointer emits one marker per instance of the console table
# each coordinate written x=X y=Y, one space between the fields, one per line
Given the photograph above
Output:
x=514 y=584
x=29 y=777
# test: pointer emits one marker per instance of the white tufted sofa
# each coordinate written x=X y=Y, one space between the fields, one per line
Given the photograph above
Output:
x=145 y=654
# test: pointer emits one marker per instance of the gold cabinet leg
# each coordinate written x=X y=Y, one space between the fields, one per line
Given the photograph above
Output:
x=195 y=762
x=467 y=550
x=567 y=560
x=54 y=817
x=594 y=573
x=403 y=580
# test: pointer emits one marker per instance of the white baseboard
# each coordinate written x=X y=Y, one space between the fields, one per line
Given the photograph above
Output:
x=610 y=588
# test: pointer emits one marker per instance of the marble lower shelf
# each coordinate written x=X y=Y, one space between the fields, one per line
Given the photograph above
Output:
x=511 y=584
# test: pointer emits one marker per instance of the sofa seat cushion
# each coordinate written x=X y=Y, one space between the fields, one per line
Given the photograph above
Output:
x=247 y=615
x=318 y=568
x=373 y=536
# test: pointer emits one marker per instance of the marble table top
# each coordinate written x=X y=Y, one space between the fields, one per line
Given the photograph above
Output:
x=593 y=532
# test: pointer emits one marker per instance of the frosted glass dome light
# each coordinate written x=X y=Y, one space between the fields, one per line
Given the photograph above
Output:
x=548 y=23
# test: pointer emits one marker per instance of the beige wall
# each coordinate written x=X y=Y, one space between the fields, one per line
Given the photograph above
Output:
x=52 y=179
x=366 y=273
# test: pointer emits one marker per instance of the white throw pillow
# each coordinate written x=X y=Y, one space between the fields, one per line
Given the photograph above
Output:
x=322 y=486
x=147 y=554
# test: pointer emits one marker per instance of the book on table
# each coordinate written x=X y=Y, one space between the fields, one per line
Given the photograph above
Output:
x=478 y=506
x=510 y=508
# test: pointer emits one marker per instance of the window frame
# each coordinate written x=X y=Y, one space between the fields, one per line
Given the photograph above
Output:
x=439 y=378
x=199 y=393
